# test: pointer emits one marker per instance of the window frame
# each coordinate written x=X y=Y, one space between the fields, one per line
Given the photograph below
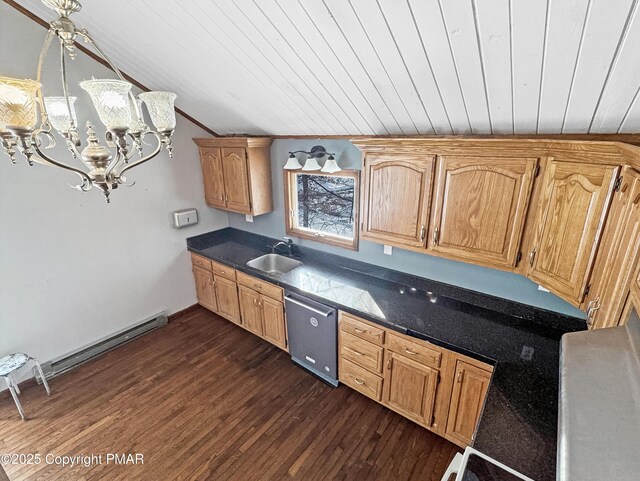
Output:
x=290 y=199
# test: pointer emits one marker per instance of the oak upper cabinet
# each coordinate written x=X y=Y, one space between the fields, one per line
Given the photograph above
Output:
x=211 y=163
x=227 y=297
x=410 y=388
x=397 y=198
x=237 y=173
x=480 y=205
x=205 y=291
x=470 y=387
x=572 y=210
x=613 y=272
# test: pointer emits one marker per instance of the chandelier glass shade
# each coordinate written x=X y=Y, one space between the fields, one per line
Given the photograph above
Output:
x=18 y=105
x=59 y=111
x=22 y=104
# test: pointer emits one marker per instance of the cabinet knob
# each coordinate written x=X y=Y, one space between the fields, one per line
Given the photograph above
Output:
x=357 y=353
x=358 y=381
x=359 y=331
x=532 y=256
x=410 y=352
x=436 y=236
x=423 y=232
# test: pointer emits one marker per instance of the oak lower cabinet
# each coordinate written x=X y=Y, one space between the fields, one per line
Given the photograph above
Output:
x=572 y=211
x=216 y=287
x=480 y=205
x=262 y=309
x=274 y=326
x=227 y=296
x=205 y=291
x=250 y=310
x=237 y=173
x=467 y=400
x=410 y=388
x=413 y=378
x=250 y=302
x=397 y=198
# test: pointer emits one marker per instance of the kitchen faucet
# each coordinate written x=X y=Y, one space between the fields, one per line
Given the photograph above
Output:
x=287 y=242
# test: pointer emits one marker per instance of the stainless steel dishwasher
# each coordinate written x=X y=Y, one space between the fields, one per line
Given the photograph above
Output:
x=312 y=329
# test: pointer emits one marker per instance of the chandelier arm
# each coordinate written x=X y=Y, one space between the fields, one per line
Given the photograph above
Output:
x=86 y=180
x=113 y=164
x=43 y=54
x=155 y=152
x=65 y=91
x=88 y=36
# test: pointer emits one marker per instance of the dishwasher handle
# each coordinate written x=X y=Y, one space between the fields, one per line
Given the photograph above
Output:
x=313 y=309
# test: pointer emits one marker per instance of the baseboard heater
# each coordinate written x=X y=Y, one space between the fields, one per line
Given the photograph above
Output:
x=67 y=362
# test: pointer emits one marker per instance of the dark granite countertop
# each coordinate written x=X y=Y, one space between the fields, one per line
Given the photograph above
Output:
x=519 y=424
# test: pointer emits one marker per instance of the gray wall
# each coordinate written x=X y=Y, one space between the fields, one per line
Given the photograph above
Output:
x=73 y=269
x=490 y=281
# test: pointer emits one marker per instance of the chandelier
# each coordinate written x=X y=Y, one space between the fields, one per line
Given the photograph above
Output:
x=103 y=167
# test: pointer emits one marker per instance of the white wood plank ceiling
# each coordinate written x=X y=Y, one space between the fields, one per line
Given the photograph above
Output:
x=349 y=67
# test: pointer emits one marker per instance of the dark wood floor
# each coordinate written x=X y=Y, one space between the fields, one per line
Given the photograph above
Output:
x=204 y=399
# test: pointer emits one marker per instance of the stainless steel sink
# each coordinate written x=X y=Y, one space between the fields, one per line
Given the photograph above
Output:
x=274 y=264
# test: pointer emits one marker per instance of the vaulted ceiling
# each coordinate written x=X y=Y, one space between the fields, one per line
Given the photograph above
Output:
x=348 y=67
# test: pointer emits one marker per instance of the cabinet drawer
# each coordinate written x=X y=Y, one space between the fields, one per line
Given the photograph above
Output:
x=361 y=329
x=260 y=286
x=223 y=271
x=361 y=352
x=418 y=352
x=361 y=380
x=200 y=261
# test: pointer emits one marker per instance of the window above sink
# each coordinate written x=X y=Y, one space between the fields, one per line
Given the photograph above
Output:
x=323 y=207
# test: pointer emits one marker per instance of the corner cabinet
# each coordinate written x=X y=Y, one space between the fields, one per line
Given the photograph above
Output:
x=480 y=207
x=397 y=198
x=573 y=207
x=470 y=387
x=613 y=277
x=237 y=173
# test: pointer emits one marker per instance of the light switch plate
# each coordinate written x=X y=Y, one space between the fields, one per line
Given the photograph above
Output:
x=248 y=217
x=388 y=250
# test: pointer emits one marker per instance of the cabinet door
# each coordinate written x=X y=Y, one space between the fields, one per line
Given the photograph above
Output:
x=617 y=255
x=236 y=179
x=205 y=291
x=227 y=296
x=273 y=322
x=410 y=388
x=211 y=162
x=572 y=210
x=469 y=391
x=397 y=199
x=480 y=207
x=250 y=309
